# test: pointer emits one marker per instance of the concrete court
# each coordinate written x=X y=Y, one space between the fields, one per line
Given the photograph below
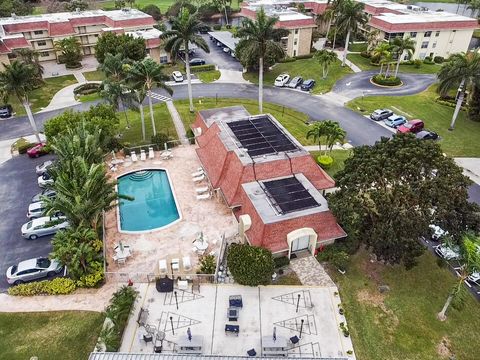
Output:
x=264 y=308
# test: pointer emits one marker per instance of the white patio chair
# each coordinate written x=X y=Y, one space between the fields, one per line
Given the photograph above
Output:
x=151 y=153
x=175 y=264
x=204 y=196
x=198 y=173
x=134 y=156
x=182 y=284
x=199 y=178
x=187 y=265
x=143 y=156
x=162 y=266
x=202 y=189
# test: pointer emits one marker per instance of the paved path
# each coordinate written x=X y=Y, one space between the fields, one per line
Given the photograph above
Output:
x=350 y=64
x=80 y=77
x=311 y=272
x=231 y=76
x=65 y=97
x=177 y=121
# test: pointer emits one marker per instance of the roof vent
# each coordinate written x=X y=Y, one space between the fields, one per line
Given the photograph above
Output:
x=258 y=192
x=13 y=15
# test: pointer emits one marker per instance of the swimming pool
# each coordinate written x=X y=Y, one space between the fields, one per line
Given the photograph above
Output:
x=154 y=204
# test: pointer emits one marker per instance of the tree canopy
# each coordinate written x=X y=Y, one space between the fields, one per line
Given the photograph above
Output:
x=389 y=194
x=19 y=7
x=131 y=48
x=250 y=265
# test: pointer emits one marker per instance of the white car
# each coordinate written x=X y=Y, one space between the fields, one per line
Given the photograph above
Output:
x=448 y=252
x=474 y=278
x=282 y=80
x=226 y=50
x=32 y=269
x=43 y=167
x=45 y=180
x=43 y=226
x=35 y=210
x=437 y=232
x=177 y=76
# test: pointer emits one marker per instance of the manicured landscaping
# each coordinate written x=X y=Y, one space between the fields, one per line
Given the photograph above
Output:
x=358 y=47
x=208 y=76
x=402 y=323
x=133 y=135
x=306 y=68
x=162 y=4
x=339 y=157
x=364 y=64
x=95 y=75
x=460 y=142
x=89 y=97
x=294 y=121
x=66 y=335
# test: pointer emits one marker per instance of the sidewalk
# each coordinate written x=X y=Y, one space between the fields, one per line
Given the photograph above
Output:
x=231 y=76
x=471 y=168
x=345 y=146
x=65 y=97
x=177 y=121
x=351 y=65
x=6 y=145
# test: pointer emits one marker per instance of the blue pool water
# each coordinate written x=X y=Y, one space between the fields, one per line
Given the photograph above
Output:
x=154 y=205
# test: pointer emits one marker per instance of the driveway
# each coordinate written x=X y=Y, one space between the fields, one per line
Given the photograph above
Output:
x=18 y=183
x=218 y=57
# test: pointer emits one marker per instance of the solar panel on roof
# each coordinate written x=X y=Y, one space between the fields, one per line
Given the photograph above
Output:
x=260 y=136
x=289 y=195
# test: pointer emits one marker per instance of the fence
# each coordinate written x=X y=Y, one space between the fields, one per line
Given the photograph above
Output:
x=141 y=277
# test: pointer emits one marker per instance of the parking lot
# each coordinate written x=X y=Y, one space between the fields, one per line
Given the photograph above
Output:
x=18 y=183
x=217 y=56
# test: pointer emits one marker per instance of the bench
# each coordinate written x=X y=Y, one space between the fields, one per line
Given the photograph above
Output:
x=232 y=329
x=142 y=317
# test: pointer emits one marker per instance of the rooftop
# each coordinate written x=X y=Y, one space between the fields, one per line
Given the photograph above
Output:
x=226 y=38
x=148 y=34
x=279 y=9
x=420 y=16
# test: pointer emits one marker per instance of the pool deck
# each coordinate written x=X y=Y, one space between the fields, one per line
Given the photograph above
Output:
x=211 y=216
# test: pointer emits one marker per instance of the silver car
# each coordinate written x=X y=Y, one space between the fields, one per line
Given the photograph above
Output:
x=45 y=192
x=43 y=226
x=43 y=167
x=35 y=210
x=32 y=269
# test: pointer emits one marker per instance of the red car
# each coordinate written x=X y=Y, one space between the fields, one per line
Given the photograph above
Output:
x=413 y=126
x=38 y=150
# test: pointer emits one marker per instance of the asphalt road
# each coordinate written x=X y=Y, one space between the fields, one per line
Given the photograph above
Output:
x=217 y=56
x=18 y=184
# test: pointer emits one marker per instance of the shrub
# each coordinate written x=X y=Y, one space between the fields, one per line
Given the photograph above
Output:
x=428 y=60
x=191 y=136
x=325 y=161
x=281 y=261
x=153 y=11
x=386 y=81
x=160 y=139
x=365 y=54
x=417 y=63
x=202 y=68
x=22 y=145
x=91 y=280
x=217 y=27
x=57 y=286
x=334 y=254
x=340 y=260
x=85 y=89
x=207 y=264
x=438 y=59
x=76 y=65
x=250 y=265
x=287 y=59
x=306 y=56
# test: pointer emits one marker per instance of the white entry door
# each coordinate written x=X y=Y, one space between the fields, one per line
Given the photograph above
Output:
x=300 y=243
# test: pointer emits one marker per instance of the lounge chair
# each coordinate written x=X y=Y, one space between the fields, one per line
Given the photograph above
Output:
x=187 y=265
x=175 y=264
x=199 y=178
x=151 y=154
x=204 y=196
x=143 y=156
x=182 y=284
x=134 y=156
x=202 y=189
x=198 y=173
x=162 y=266
x=166 y=155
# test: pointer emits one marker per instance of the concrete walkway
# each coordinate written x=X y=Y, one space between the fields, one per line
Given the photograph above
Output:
x=345 y=146
x=80 y=77
x=65 y=97
x=177 y=121
x=6 y=146
x=311 y=272
x=351 y=65
x=471 y=168
x=231 y=76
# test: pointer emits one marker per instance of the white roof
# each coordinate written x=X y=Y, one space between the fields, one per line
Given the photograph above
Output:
x=226 y=38
x=145 y=34
x=283 y=12
x=421 y=17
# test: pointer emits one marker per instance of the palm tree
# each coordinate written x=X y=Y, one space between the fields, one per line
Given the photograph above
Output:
x=334 y=133
x=259 y=37
x=71 y=50
x=461 y=71
x=380 y=52
x=16 y=79
x=317 y=132
x=400 y=46
x=388 y=60
x=113 y=67
x=373 y=38
x=328 y=15
x=148 y=74
x=325 y=58
x=470 y=255
x=185 y=29
x=350 y=17
x=30 y=57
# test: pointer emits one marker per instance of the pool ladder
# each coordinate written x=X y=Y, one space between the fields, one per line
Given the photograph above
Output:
x=141 y=175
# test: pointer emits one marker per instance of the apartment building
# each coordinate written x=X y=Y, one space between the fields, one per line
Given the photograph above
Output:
x=437 y=33
x=40 y=32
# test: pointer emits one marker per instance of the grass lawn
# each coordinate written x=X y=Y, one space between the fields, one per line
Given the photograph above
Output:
x=358 y=47
x=402 y=323
x=40 y=98
x=306 y=68
x=476 y=33
x=140 y=4
x=95 y=75
x=208 y=76
x=294 y=121
x=463 y=141
x=339 y=157
x=288 y=279
x=364 y=64
x=89 y=97
x=133 y=135
x=66 y=335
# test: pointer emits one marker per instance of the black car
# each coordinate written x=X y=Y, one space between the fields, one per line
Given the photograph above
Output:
x=6 y=111
x=196 y=62
x=307 y=85
x=426 y=135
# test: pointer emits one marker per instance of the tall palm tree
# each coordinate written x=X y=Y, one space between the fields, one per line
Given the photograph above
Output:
x=461 y=71
x=350 y=17
x=16 y=80
x=470 y=256
x=113 y=67
x=325 y=58
x=147 y=74
x=373 y=38
x=185 y=29
x=388 y=60
x=400 y=46
x=30 y=57
x=259 y=37
x=380 y=52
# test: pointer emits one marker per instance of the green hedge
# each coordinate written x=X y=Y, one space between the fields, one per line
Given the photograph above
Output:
x=57 y=286
x=281 y=261
x=202 y=68
x=250 y=265
x=386 y=81
x=85 y=89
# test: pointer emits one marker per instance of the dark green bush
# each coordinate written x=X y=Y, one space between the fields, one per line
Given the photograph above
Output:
x=250 y=265
x=85 y=89
x=281 y=261
x=287 y=59
x=438 y=59
x=159 y=140
x=428 y=60
x=22 y=148
x=386 y=81
x=57 y=286
x=306 y=56
x=365 y=54
x=417 y=63
x=202 y=68
x=217 y=27
x=334 y=254
x=191 y=136
x=207 y=264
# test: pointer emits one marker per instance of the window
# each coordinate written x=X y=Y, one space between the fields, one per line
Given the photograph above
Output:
x=44 y=54
x=41 y=43
x=413 y=34
x=295 y=42
x=434 y=45
x=96 y=35
x=422 y=56
x=427 y=34
x=163 y=59
x=294 y=52
x=437 y=34
x=424 y=44
x=296 y=31
x=38 y=32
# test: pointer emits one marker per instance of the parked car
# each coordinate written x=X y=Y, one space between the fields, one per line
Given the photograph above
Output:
x=296 y=81
x=45 y=192
x=204 y=29
x=219 y=44
x=32 y=269
x=45 y=180
x=474 y=278
x=35 y=210
x=413 y=126
x=436 y=232
x=307 y=85
x=448 y=252
x=42 y=226
x=196 y=62
x=226 y=50
x=38 y=150
x=282 y=80
x=395 y=120
x=426 y=135
x=177 y=76
x=43 y=167
x=6 y=111
x=232 y=54
x=381 y=114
